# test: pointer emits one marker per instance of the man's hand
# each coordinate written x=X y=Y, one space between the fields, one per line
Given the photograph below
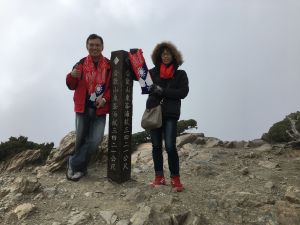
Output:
x=100 y=102
x=76 y=73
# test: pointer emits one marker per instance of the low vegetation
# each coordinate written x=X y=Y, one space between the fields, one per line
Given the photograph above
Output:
x=16 y=145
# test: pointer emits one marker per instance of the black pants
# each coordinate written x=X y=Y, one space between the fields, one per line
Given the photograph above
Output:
x=168 y=131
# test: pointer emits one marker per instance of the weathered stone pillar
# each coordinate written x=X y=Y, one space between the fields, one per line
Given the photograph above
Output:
x=120 y=118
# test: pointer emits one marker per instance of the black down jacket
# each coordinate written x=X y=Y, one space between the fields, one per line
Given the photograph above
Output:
x=175 y=89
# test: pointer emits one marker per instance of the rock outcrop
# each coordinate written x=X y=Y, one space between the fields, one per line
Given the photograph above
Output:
x=22 y=159
x=237 y=182
x=57 y=159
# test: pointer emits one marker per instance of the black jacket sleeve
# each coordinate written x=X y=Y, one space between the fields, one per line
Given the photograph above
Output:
x=183 y=89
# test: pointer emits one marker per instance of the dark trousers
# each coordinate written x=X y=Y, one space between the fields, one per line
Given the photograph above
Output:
x=168 y=132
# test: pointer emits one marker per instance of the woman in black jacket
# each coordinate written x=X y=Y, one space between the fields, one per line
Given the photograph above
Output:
x=170 y=86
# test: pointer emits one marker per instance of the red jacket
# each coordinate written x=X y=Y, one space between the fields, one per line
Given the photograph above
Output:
x=79 y=85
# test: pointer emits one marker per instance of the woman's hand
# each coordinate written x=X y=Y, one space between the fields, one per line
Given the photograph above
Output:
x=156 y=89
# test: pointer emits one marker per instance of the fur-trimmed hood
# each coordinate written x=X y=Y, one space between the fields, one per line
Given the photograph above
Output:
x=156 y=54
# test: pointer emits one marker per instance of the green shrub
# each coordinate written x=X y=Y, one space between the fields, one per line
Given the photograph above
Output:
x=277 y=132
x=139 y=138
x=295 y=115
x=183 y=125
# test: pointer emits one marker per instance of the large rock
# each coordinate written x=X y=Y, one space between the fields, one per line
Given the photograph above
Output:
x=186 y=138
x=212 y=142
x=66 y=147
x=58 y=159
x=25 y=185
x=143 y=154
x=22 y=211
x=21 y=160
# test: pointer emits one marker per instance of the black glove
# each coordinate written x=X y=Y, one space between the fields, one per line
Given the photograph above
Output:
x=156 y=89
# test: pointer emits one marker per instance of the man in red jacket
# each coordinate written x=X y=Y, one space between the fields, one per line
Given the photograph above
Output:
x=89 y=79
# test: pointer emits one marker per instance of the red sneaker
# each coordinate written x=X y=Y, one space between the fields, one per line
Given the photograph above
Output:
x=159 y=180
x=176 y=184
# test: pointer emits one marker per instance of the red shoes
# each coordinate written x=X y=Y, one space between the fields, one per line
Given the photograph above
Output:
x=176 y=184
x=159 y=180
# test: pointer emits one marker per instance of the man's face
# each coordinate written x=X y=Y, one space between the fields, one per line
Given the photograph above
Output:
x=94 y=47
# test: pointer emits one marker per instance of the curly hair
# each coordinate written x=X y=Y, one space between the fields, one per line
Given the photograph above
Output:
x=159 y=48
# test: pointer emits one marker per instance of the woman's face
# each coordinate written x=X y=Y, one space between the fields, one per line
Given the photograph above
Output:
x=166 y=57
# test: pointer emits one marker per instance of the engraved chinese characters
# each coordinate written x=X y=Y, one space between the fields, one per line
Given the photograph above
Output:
x=120 y=120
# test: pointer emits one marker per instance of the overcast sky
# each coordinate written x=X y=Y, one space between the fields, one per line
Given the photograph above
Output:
x=242 y=58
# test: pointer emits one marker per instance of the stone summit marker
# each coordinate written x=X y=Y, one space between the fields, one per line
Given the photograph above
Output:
x=120 y=118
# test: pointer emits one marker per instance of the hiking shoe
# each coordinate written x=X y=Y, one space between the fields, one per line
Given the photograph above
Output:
x=159 y=180
x=69 y=171
x=77 y=176
x=176 y=184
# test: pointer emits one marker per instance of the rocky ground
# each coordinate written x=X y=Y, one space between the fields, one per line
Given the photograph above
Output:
x=226 y=183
